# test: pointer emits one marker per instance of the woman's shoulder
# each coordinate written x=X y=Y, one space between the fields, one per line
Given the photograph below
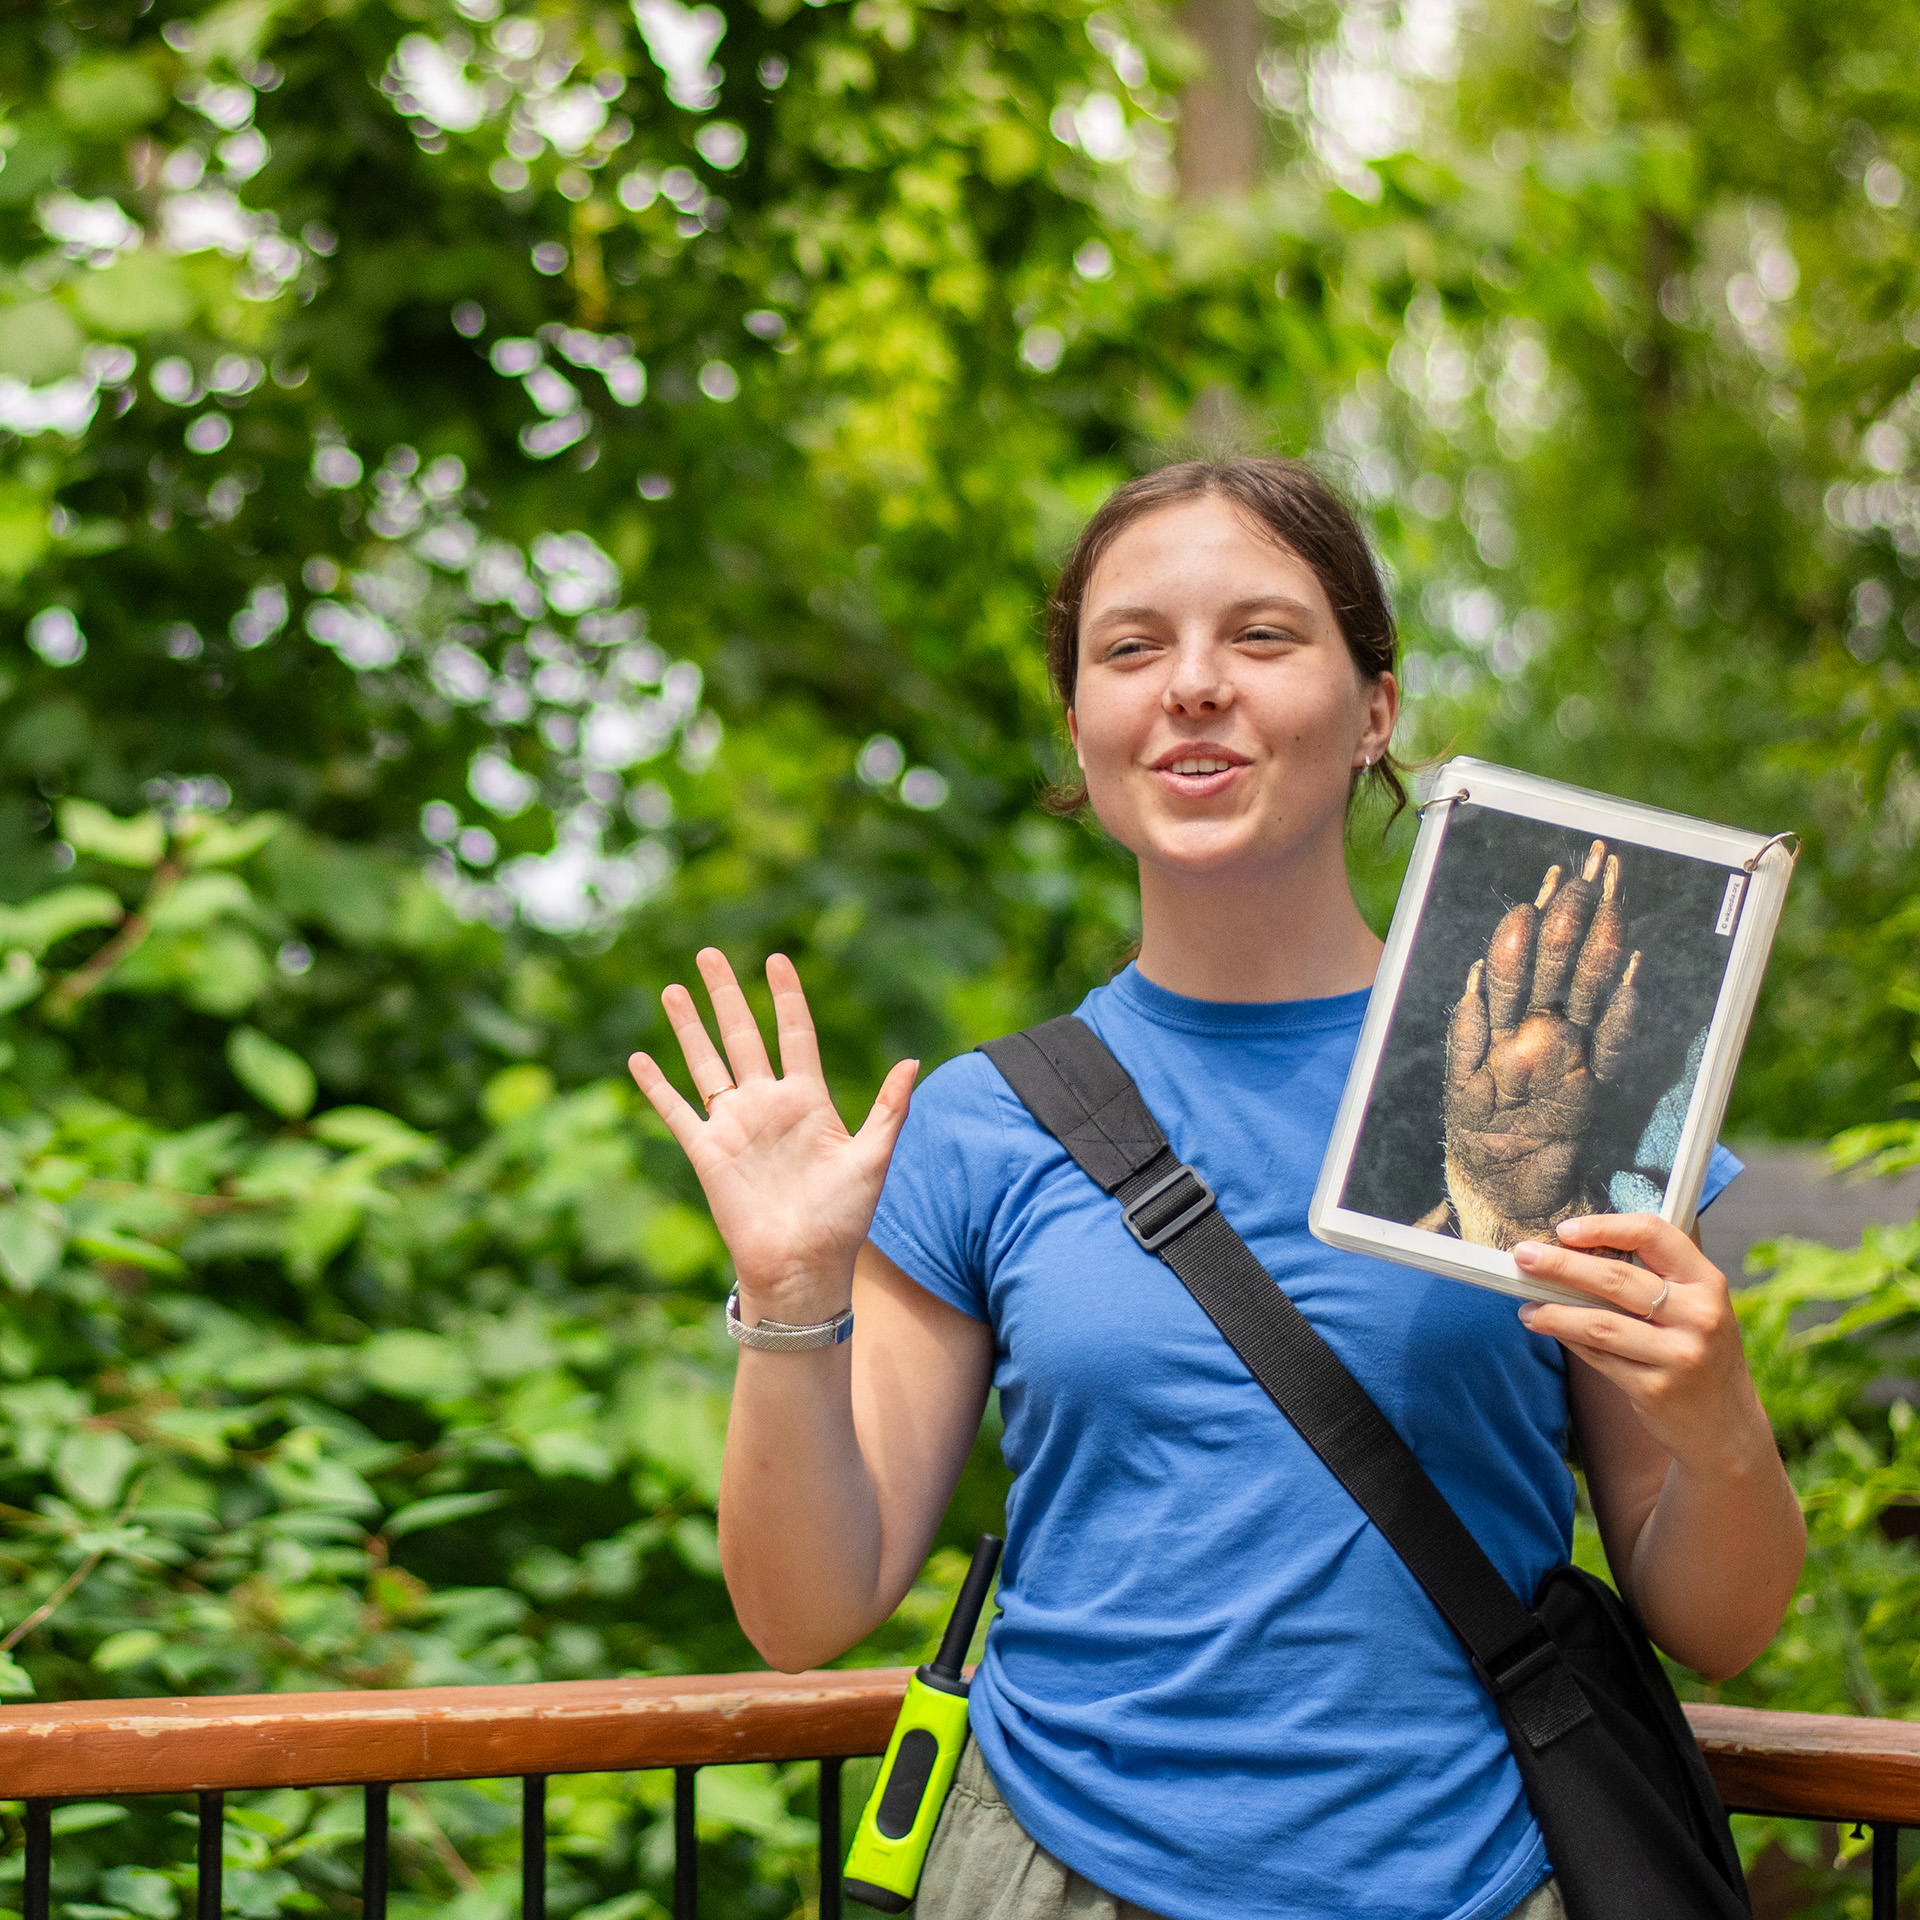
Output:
x=968 y=1077
x=961 y=1105
x=948 y=1181
x=969 y=1142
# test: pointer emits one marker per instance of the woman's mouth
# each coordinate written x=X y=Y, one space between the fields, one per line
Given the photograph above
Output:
x=1197 y=775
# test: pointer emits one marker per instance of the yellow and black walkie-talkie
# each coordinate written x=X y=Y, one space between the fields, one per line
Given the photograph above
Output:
x=890 y=1843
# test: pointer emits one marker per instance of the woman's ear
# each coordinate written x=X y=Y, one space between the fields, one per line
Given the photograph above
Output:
x=1073 y=734
x=1383 y=710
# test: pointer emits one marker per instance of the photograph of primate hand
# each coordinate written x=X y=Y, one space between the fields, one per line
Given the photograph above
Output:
x=1547 y=1036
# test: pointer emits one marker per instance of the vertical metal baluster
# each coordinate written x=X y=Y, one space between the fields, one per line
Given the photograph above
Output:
x=36 y=1895
x=533 y=1847
x=686 y=1855
x=209 y=1855
x=829 y=1840
x=1886 y=1872
x=373 y=1854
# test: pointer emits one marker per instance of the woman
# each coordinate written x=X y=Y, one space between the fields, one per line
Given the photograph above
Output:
x=1213 y=1689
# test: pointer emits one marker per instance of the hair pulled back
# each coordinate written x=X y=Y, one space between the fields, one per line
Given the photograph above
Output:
x=1293 y=507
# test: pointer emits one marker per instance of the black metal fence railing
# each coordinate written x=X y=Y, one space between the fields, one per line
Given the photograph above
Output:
x=209 y=1850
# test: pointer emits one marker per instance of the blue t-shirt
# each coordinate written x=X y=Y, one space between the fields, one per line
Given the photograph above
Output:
x=1213 y=1688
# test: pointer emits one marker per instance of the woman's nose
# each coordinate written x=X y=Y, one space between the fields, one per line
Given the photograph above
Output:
x=1197 y=683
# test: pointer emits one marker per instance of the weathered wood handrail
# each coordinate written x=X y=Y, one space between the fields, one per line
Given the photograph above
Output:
x=234 y=1742
x=1812 y=1766
x=1799 y=1765
x=1802 y=1766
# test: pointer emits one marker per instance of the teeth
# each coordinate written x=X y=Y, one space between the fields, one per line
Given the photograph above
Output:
x=1200 y=766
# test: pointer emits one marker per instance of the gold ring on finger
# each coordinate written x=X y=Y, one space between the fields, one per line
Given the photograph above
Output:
x=1658 y=1301
x=707 y=1099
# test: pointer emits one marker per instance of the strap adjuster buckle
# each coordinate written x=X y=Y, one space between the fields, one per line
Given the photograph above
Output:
x=1520 y=1663
x=1155 y=1237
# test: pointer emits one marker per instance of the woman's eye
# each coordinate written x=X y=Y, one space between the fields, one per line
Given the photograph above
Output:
x=1266 y=635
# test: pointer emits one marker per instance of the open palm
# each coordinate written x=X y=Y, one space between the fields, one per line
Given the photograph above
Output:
x=791 y=1190
x=1542 y=1026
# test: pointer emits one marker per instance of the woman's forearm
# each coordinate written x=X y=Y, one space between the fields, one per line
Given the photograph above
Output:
x=799 y=1516
x=1701 y=1525
x=840 y=1462
x=1715 y=1563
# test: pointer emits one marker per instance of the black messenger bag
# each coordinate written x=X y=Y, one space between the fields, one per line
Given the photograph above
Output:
x=1633 y=1826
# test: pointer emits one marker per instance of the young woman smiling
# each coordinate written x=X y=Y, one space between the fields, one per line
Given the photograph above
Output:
x=1213 y=1688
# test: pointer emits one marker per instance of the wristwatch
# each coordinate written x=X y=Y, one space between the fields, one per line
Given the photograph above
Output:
x=776 y=1336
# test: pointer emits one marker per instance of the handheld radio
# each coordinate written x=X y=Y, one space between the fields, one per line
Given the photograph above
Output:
x=890 y=1843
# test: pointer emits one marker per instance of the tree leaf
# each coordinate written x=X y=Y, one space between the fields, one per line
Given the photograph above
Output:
x=38 y=341
x=92 y=1465
x=20 y=980
x=367 y=1129
x=515 y=1092
x=26 y=528
x=220 y=970
x=212 y=841
x=697 y=1541
x=199 y=899
x=139 y=842
x=440 y=1509
x=49 y=918
x=416 y=1366
x=140 y=1890
x=275 y=1075
x=122 y=1250
x=108 y=95
x=84 y=1816
x=31 y=1239
x=145 y=291
x=676 y=1243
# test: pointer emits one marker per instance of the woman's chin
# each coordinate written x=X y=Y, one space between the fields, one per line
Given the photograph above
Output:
x=1234 y=847
x=1202 y=850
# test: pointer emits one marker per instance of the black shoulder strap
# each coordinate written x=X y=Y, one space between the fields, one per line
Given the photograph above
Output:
x=1082 y=1095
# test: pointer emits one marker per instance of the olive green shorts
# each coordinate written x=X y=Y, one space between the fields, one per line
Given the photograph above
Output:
x=982 y=1866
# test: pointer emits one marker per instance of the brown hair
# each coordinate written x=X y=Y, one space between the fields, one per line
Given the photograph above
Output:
x=1296 y=509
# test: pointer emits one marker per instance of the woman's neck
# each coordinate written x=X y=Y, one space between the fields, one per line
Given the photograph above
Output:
x=1272 y=936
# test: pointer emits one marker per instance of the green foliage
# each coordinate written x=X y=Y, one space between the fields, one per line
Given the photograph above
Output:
x=1647 y=440
x=1831 y=1338
x=338 y=1402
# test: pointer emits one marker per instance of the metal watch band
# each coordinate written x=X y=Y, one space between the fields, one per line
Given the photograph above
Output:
x=776 y=1336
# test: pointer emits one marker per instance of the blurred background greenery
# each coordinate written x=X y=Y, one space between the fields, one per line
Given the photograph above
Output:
x=497 y=493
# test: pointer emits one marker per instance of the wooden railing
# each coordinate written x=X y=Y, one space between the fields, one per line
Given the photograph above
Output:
x=1800 y=1766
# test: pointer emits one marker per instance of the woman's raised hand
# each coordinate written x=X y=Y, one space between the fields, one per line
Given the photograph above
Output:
x=792 y=1191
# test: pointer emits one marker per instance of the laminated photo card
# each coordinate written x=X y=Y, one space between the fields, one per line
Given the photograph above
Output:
x=1555 y=1025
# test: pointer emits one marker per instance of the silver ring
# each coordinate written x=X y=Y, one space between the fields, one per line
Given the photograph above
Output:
x=707 y=1099
x=1778 y=840
x=1659 y=1300
x=1441 y=800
